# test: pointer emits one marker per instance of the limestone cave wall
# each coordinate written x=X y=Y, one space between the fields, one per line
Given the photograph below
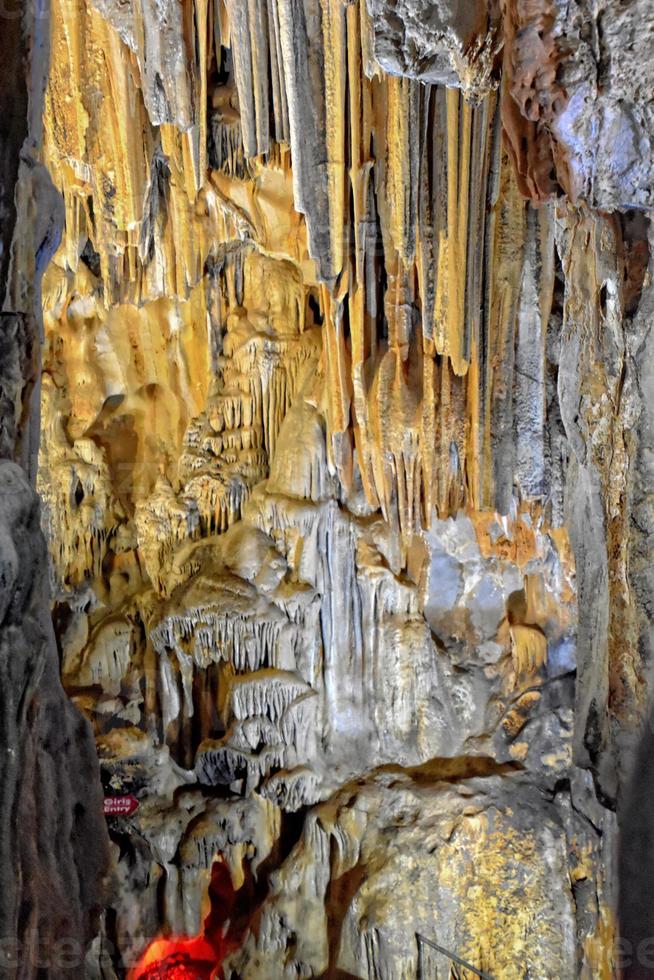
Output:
x=345 y=463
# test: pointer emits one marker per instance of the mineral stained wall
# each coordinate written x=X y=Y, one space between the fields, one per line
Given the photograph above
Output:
x=346 y=466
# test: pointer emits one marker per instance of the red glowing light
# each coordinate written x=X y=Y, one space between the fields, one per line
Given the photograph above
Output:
x=178 y=959
x=200 y=957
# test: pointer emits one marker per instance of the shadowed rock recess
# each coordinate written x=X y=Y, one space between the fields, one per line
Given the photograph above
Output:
x=330 y=324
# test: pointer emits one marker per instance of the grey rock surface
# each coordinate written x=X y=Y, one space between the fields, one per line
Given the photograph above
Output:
x=53 y=850
x=606 y=129
x=448 y=42
x=53 y=840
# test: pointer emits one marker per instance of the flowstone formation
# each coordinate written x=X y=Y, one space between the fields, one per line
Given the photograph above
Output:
x=345 y=468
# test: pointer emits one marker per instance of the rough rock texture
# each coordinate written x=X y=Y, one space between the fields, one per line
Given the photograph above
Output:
x=452 y=43
x=579 y=106
x=523 y=860
x=576 y=84
x=345 y=465
x=53 y=846
x=53 y=852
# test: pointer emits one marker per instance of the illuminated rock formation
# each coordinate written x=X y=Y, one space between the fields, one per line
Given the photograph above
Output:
x=527 y=868
x=345 y=465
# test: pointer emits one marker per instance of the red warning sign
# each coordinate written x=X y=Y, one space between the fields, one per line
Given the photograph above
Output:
x=120 y=806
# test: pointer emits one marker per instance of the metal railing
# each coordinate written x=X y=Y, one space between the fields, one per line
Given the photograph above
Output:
x=422 y=941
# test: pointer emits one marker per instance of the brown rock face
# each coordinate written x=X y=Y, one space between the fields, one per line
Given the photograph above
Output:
x=532 y=96
x=342 y=411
